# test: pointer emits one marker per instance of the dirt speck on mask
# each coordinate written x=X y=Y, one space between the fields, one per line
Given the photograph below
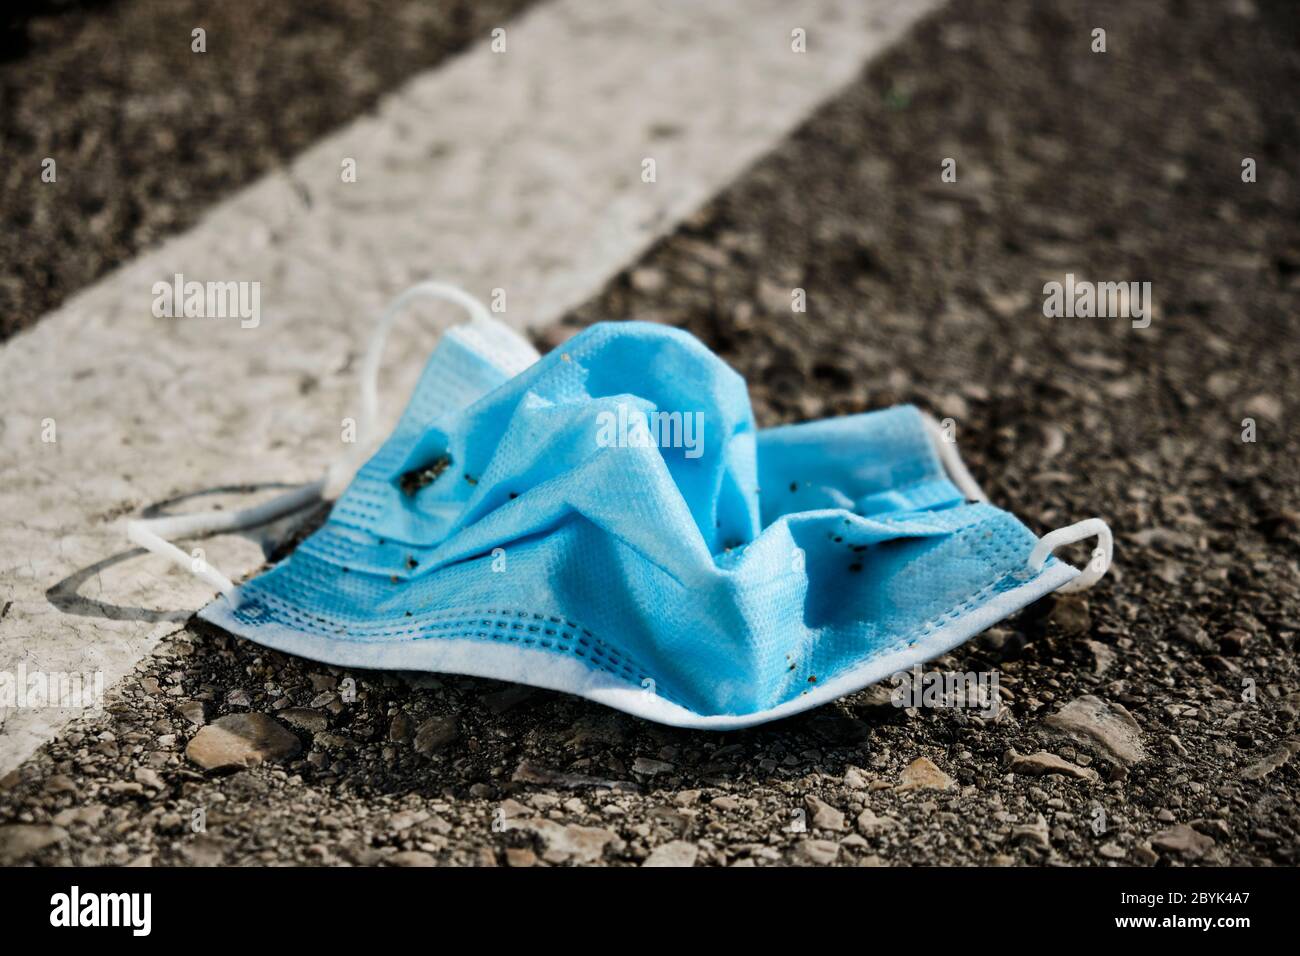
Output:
x=418 y=478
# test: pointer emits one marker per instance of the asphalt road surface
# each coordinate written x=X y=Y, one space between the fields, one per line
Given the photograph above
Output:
x=1176 y=676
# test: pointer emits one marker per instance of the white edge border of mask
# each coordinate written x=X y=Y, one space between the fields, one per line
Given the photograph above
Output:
x=551 y=671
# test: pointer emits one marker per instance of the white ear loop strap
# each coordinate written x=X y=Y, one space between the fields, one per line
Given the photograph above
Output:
x=152 y=534
x=958 y=473
x=343 y=467
x=1079 y=531
x=960 y=476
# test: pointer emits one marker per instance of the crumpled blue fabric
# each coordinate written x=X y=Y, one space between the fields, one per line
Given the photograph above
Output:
x=740 y=577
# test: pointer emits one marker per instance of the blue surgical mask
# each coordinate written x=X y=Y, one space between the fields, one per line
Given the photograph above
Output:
x=607 y=520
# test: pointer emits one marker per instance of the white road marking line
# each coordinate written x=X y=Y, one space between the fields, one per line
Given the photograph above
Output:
x=518 y=170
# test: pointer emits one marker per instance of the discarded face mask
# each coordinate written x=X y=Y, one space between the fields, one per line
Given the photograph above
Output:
x=556 y=521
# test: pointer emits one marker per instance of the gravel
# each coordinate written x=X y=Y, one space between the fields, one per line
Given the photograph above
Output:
x=1176 y=676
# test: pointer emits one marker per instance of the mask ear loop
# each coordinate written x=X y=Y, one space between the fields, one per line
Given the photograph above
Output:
x=1094 y=570
x=960 y=476
x=153 y=534
x=341 y=470
x=949 y=457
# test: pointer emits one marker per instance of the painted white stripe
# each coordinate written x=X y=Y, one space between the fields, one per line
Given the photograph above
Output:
x=519 y=170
